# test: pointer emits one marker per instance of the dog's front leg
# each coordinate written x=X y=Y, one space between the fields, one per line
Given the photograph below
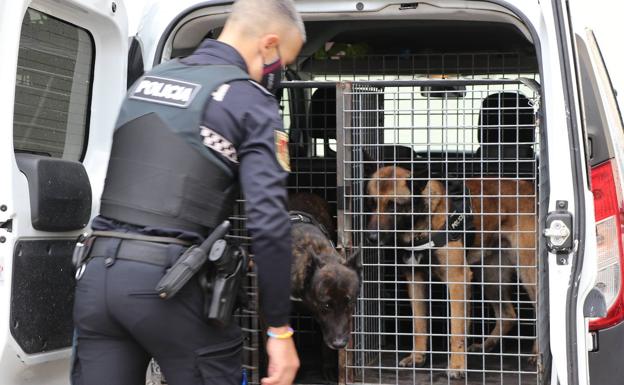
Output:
x=329 y=363
x=457 y=276
x=416 y=290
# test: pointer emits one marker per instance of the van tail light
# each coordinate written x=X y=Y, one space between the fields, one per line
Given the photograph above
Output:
x=606 y=187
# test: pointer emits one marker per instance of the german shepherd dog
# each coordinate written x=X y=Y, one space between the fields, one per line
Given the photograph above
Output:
x=326 y=281
x=503 y=216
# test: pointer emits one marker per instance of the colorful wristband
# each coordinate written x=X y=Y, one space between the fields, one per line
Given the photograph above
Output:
x=283 y=336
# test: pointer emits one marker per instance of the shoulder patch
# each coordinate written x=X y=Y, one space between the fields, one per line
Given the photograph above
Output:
x=281 y=149
x=219 y=144
x=170 y=92
x=220 y=93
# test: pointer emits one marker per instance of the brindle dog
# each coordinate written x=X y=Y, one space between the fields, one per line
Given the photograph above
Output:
x=326 y=281
x=503 y=215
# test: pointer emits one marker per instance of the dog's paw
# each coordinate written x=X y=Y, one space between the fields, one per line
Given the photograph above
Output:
x=476 y=347
x=457 y=367
x=486 y=347
x=456 y=374
x=413 y=360
x=532 y=361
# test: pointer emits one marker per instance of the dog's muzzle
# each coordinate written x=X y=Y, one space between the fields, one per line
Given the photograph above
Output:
x=373 y=236
x=339 y=343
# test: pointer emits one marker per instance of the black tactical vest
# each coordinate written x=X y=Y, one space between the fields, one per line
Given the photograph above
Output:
x=160 y=173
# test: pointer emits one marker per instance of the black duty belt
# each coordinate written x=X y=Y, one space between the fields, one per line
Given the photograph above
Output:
x=140 y=237
x=158 y=254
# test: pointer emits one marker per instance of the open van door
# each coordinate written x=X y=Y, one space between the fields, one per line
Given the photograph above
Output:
x=63 y=74
x=570 y=225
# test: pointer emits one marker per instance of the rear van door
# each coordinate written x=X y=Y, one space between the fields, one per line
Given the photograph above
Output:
x=570 y=227
x=63 y=75
x=605 y=137
x=594 y=307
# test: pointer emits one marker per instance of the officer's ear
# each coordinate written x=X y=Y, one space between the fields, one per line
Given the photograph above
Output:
x=269 y=44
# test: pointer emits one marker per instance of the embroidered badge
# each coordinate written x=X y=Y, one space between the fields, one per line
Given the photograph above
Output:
x=165 y=91
x=281 y=149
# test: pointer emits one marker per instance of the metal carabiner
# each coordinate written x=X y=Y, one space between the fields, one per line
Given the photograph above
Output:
x=80 y=271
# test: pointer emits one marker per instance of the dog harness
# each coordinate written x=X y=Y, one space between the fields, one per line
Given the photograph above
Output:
x=305 y=218
x=302 y=217
x=458 y=224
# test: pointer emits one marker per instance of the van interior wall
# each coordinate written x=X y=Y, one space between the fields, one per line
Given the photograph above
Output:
x=452 y=120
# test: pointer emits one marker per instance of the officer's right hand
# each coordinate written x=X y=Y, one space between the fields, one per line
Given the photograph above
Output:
x=283 y=360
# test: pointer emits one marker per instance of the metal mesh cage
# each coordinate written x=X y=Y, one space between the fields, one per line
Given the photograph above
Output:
x=477 y=132
x=460 y=117
x=247 y=317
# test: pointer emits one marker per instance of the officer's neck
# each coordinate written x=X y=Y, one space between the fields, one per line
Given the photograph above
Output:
x=245 y=47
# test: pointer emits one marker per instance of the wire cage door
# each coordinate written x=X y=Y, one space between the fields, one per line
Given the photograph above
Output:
x=441 y=304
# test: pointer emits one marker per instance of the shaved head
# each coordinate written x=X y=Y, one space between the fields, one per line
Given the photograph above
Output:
x=260 y=17
x=264 y=32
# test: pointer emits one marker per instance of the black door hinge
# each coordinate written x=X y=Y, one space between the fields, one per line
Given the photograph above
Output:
x=558 y=232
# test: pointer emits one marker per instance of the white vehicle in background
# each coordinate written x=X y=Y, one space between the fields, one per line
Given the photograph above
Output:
x=67 y=65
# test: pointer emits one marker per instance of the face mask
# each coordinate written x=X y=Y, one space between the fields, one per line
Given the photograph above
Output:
x=272 y=76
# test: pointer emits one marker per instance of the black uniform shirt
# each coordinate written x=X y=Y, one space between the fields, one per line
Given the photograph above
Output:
x=247 y=116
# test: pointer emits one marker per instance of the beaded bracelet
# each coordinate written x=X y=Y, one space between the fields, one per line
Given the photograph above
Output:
x=283 y=336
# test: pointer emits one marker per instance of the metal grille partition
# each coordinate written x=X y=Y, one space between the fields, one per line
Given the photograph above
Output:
x=348 y=119
x=417 y=320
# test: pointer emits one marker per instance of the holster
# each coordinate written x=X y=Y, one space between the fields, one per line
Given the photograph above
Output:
x=190 y=263
x=222 y=282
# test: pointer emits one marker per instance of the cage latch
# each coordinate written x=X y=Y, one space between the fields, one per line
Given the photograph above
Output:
x=7 y=226
x=558 y=232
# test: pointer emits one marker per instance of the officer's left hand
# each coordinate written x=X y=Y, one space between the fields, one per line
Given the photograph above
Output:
x=283 y=361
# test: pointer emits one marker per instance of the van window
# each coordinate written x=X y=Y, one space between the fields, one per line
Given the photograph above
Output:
x=439 y=121
x=599 y=146
x=53 y=87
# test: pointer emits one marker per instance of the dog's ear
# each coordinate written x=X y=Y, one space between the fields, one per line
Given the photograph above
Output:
x=354 y=261
x=312 y=265
x=316 y=260
x=417 y=181
x=371 y=165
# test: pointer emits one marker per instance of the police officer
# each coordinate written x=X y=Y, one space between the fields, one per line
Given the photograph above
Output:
x=189 y=133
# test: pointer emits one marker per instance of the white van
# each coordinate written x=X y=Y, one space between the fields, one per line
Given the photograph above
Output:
x=490 y=89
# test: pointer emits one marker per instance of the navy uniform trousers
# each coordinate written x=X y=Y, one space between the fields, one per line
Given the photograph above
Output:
x=121 y=323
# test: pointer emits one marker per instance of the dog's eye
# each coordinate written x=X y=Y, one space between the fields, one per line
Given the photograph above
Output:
x=325 y=307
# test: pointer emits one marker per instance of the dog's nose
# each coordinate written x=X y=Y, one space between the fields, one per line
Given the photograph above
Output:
x=339 y=342
x=373 y=236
